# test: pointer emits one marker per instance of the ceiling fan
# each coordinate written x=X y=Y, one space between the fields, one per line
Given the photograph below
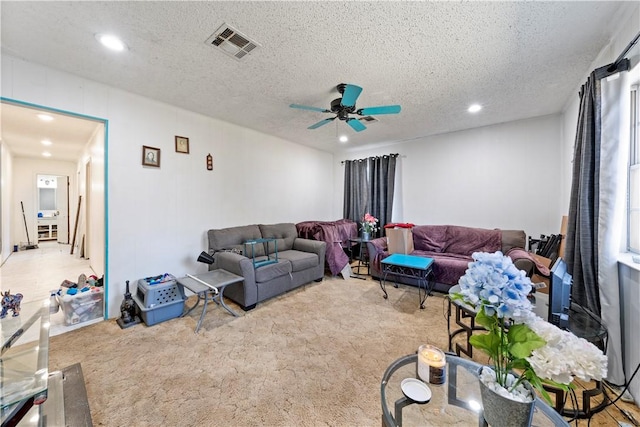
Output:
x=343 y=107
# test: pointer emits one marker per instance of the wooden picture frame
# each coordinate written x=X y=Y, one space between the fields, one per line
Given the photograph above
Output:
x=150 y=156
x=182 y=144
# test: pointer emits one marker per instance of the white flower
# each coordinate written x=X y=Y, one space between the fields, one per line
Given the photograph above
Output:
x=565 y=355
x=499 y=290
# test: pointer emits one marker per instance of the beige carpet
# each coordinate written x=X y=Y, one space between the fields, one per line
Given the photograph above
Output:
x=312 y=357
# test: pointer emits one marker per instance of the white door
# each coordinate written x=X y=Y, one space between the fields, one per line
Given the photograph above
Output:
x=62 y=205
x=87 y=207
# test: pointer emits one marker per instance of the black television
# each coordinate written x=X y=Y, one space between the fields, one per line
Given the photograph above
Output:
x=560 y=295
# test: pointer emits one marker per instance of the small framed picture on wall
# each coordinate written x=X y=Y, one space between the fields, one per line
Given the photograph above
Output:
x=150 y=156
x=182 y=144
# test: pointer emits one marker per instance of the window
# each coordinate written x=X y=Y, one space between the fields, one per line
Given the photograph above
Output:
x=633 y=200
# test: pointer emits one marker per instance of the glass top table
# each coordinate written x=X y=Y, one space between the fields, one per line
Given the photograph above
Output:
x=24 y=358
x=456 y=402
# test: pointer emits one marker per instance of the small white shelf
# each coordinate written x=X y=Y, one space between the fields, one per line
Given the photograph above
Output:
x=47 y=229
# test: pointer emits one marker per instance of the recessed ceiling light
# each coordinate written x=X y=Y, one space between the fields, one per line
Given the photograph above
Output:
x=111 y=42
x=474 y=108
x=46 y=154
x=45 y=117
x=343 y=138
x=46 y=142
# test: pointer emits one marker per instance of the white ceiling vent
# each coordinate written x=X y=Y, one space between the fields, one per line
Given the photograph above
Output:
x=232 y=42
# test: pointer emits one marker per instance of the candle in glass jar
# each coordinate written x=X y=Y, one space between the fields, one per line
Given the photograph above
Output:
x=431 y=364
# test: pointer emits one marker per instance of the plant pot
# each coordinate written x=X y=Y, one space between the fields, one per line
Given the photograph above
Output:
x=366 y=236
x=501 y=411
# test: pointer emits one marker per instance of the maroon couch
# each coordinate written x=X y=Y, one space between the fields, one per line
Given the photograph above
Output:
x=451 y=247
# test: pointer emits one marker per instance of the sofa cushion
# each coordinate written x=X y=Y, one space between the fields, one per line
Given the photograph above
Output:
x=272 y=271
x=234 y=238
x=299 y=260
x=284 y=233
x=432 y=238
x=467 y=240
x=448 y=268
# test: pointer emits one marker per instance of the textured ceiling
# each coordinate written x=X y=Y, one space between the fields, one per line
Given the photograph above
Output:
x=24 y=132
x=517 y=59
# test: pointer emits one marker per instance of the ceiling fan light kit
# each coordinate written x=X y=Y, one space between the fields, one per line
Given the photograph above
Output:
x=344 y=107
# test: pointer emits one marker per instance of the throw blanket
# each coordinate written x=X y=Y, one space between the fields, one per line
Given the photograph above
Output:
x=335 y=234
x=516 y=253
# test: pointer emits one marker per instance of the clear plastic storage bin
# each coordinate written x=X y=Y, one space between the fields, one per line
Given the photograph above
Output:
x=83 y=306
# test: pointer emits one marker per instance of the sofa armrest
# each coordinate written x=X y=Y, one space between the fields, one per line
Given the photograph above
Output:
x=242 y=266
x=513 y=239
x=377 y=250
x=524 y=261
x=307 y=245
x=236 y=264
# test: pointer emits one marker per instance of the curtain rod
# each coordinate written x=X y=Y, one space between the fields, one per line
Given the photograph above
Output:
x=372 y=158
x=620 y=57
x=620 y=64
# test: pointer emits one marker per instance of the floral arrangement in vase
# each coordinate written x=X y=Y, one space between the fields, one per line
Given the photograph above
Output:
x=369 y=223
x=520 y=344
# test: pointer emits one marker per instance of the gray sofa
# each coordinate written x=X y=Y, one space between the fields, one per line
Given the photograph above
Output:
x=300 y=261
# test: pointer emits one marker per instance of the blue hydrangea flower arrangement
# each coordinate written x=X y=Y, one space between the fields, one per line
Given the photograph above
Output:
x=517 y=341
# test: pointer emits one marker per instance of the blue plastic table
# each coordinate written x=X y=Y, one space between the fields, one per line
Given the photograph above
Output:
x=414 y=267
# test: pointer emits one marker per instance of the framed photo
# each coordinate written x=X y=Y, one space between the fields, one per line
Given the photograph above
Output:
x=182 y=144
x=150 y=156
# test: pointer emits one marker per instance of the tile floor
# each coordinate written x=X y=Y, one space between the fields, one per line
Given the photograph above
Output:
x=36 y=272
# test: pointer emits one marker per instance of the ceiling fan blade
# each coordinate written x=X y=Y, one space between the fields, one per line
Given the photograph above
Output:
x=384 y=109
x=356 y=125
x=321 y=123
x=306 y=107
x=350 y=95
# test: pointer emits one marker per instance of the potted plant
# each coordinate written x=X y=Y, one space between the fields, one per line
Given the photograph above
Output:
x=368 y=226
x=524 y=350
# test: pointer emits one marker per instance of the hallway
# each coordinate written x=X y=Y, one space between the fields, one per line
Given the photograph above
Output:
x=36 y=272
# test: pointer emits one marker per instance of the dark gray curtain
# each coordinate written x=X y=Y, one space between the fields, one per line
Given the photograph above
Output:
x=581 y=252
x=368 y=187
x=382 y=172
x=356 y=189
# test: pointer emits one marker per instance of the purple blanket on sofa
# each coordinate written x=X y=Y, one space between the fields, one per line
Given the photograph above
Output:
x=454 y=239
x=335 y=234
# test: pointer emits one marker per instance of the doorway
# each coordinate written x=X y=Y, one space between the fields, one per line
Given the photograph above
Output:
x=52 y=208
x=75 y=141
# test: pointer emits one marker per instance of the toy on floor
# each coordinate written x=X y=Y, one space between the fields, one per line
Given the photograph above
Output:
x=10 y=302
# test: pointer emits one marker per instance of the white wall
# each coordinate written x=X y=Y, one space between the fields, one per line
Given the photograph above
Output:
x=502 y=176
x=158 y=217
x=630 y=298
x=93 y=230
x=24 y=185
x=6 y=171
